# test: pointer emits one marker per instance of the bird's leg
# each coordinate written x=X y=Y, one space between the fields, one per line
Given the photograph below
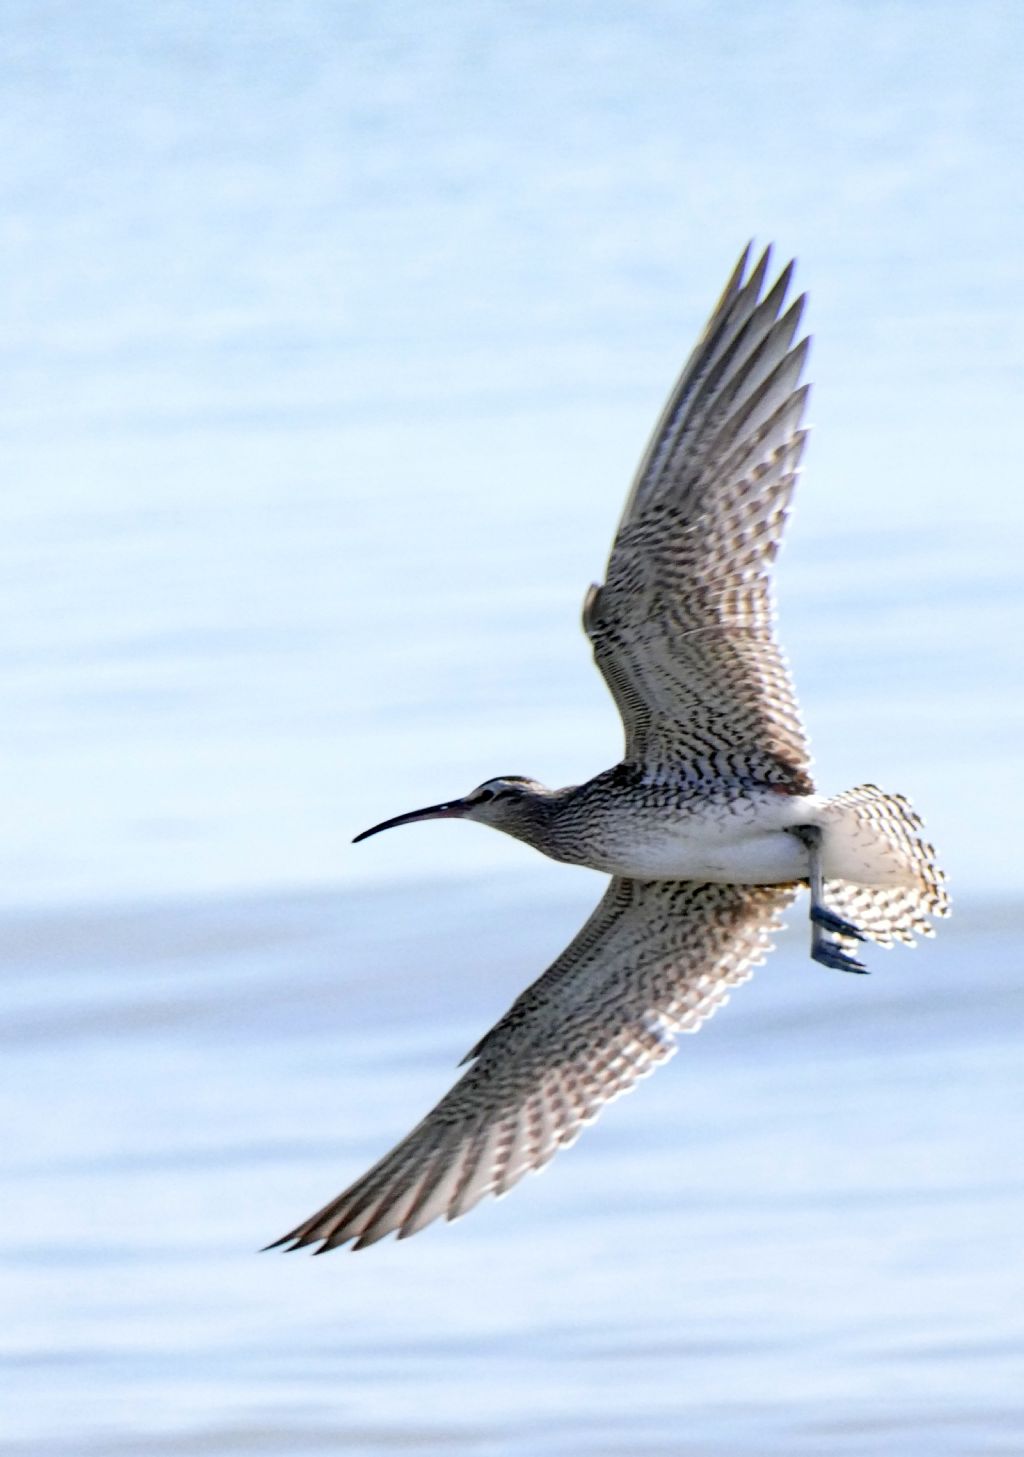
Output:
x=826 y=926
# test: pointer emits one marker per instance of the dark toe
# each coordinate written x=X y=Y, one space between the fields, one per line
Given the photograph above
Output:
x=829 y=954
x=829 y=921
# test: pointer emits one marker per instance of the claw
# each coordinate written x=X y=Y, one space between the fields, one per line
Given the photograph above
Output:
x=829 y=954
x=829 y=921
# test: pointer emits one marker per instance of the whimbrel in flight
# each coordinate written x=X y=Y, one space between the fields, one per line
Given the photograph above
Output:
x=710 y=824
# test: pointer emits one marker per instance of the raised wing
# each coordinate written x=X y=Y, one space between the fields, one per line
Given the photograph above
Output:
x=682 y=628
x=655 y=958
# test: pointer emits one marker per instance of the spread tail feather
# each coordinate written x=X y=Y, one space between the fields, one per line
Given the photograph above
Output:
x=881 y=874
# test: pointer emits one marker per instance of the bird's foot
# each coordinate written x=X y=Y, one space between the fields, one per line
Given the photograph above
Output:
x=828 y=931
x=829 y=953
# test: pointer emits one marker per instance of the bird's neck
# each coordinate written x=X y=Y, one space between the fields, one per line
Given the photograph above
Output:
x=562 y=823
x=538 y=820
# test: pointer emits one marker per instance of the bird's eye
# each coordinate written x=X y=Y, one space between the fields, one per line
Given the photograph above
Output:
x=482 y=795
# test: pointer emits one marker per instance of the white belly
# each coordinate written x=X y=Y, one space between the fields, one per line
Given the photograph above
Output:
x=772 y=858
x=745 y=843
x=745 y=839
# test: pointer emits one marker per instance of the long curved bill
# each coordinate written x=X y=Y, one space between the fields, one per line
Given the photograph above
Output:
x=449 y=811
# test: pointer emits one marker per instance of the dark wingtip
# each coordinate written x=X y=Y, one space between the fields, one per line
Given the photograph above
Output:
x=287 y=1244
x=290 y=1244
x=762 y=265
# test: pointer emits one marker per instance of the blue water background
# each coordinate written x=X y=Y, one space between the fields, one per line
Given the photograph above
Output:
x=331 y=335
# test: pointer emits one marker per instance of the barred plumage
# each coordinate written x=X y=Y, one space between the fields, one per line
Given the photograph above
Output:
x=709 y=825
x=890 y=827
x=655 y=959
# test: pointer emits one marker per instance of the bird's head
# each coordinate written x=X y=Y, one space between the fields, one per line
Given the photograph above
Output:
x=505 y=803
